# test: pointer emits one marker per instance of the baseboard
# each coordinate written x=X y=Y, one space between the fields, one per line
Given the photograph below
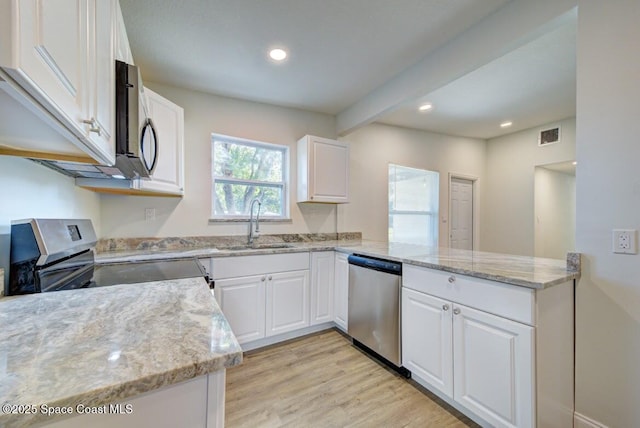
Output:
x=267 y=341
x=581 y=421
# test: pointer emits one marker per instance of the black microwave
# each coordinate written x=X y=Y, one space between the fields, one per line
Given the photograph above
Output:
x=136 y=138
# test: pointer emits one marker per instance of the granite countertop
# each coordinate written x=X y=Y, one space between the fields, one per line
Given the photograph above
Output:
x=531 y=272
x=103 y=345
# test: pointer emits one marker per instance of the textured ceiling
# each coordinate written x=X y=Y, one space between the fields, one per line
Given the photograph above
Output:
x=340 y=51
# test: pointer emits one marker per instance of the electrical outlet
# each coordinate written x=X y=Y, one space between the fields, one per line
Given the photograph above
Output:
x=149 y=214
x=624 y=241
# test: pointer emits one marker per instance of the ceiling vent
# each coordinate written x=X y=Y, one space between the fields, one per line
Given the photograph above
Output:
x=549 y=136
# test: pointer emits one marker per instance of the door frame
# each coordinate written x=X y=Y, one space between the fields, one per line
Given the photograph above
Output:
x=474 y=207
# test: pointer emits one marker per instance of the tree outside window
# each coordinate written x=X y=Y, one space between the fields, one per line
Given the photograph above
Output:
x=244 y=170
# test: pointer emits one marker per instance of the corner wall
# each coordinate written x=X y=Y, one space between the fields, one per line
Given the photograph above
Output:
x=508 y=207
x=608 y=197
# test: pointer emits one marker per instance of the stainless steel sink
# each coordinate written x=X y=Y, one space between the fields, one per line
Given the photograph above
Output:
x=256 y=247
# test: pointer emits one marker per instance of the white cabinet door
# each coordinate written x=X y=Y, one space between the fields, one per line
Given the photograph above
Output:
x=242 y=301
x=101 y=101
x=323 y=170
x=64 y=59
x=53 y=41
x=341 y=291
x=168 y=119
x=493 y=367
x=287 y=299
x=322 y=277
x=427 y=340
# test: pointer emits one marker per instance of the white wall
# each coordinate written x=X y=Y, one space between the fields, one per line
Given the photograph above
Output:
x=123 y=216
x=555 y=213
x=608 y=197
x=31 y=190
x=508 y=213
x=375 y=146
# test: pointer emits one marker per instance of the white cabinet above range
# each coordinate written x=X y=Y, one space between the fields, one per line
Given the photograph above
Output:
x=167 y=178
x=323 y=170
x=57 y=79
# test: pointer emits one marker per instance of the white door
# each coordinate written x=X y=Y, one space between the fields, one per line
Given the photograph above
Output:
x=427 y=339
x=322 y=265
x=242 y=301
x=341 y=291
x=287 y=302
x=493 y=366
x=461 y=214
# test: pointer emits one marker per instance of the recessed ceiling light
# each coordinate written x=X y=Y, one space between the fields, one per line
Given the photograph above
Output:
x=506 y=124
x=425 y=107
x=278 y=54
x=118 y=176
x=574 y=163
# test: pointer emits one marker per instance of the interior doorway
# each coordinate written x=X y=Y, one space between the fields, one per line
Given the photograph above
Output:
x=461 y=212
x=555 y=210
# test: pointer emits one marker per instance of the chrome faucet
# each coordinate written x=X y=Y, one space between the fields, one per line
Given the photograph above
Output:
x=254 y=233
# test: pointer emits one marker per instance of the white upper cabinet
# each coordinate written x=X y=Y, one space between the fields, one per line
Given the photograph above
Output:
x=168 y=120
x=323 y=170
x=58 y=64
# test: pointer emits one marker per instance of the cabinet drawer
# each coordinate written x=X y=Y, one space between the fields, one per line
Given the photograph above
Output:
x=235 y=266
x=509 y=301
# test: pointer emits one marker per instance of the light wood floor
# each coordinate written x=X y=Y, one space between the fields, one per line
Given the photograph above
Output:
x=323 y=381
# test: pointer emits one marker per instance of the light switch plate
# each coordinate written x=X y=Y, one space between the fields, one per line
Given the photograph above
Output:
x=624 y=241
x=149 y=214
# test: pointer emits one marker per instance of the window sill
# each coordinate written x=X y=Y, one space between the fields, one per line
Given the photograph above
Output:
x=246 y=220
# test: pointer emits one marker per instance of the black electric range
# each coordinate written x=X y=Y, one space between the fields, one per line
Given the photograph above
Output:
x=53 y=254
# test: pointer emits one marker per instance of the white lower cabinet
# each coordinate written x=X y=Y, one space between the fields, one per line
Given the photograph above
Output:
x=242 y=301
x=287 y=300
x=493 y=367
x=341 y=291
x=197 y=402
x=263 y=295
x=322 y=277
x=504 y=372
x=264 y=305
x=427 y=339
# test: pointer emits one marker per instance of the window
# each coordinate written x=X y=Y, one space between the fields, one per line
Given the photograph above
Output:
x=244 y=170
x=413 y=205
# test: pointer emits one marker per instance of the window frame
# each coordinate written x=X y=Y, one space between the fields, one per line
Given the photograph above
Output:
x=284 y=184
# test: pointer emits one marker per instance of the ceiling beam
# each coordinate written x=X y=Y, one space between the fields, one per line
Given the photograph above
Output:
x=511 y=26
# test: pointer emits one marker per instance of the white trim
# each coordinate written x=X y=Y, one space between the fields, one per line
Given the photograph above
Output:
x=581 y=421
x=475 y=207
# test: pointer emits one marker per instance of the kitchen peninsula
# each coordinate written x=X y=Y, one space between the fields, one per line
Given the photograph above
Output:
x=135 y=354
x=464 y=313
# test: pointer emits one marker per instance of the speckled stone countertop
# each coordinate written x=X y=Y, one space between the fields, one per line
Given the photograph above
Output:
x=102 y=345
x=531 y=272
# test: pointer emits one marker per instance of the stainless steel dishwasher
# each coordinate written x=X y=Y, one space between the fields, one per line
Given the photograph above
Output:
x=374 y=308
